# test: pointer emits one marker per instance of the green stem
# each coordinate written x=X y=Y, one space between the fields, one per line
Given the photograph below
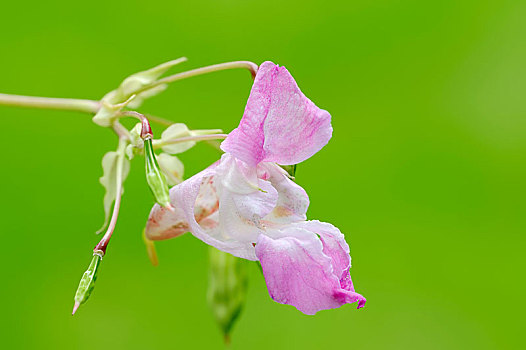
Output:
x=158 y=144
x=66 y=104
x=90 y=106
x=103 y=244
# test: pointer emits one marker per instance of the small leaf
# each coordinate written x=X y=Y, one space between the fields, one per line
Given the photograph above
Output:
x=109 y=181
x=172 y=167
x=227 y=286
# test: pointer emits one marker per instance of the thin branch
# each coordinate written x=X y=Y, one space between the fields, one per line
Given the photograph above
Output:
x=66 y=104
x=146 y=130
x=158 y=144
x=159 y=120
x=251 y=66
x=103 y=244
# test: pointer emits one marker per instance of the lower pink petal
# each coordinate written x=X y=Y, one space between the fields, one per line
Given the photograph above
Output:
x=298 y=272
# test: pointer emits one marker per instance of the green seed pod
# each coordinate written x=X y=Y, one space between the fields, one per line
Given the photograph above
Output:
x=154 y=176
x=87 y=282
x=227 y=286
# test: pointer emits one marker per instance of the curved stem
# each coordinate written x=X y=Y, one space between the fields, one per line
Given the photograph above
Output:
x=121 y=131
x=251 y=66
x=90 y=106
x=159 y=144
x=159 y=120
x=103 y=244
x=146 y=130
x=66 y=104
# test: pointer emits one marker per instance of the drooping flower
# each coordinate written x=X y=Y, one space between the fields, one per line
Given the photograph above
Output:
x=246 y=205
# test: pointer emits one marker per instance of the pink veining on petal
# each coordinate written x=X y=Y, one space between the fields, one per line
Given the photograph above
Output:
x=280 y=123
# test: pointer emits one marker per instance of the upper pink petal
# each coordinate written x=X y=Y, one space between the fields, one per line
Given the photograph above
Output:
x=301 y=270
x=280 y=123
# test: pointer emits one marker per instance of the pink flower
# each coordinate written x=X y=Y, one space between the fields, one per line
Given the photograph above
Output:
x=246 y=205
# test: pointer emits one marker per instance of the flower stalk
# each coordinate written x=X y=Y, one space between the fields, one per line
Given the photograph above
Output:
x=91 y=106
x=87 y=282
x=103 y=243
x=65 y=104
x=160 y=144
x=154 y=176
x=251 y=66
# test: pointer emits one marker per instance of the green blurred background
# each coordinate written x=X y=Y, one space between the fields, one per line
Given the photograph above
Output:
x=425 y=172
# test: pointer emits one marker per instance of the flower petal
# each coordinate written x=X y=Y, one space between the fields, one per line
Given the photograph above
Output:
x=280 y=124
x=244 y=200
x=164 y=223
x=185 y=195
x=298 y=272
x=293 y=201
x=334 y=245
x=196 y=203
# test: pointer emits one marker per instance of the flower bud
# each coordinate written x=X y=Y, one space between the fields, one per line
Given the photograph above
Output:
x=172 y=168
x=133 y=91
x=154 y=176
x=227 y=287
x=87 y=282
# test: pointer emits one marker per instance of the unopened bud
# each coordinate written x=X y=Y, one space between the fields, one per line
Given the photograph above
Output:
x=227 y=287
x=154 y=176
x=87 y=282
